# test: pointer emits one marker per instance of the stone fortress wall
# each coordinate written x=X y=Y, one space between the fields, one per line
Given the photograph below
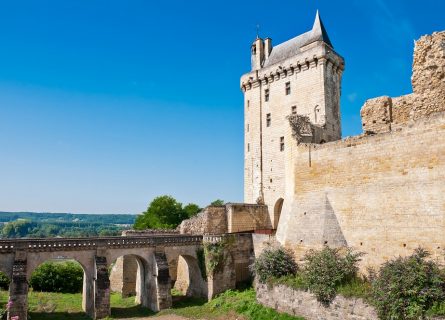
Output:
x=382 y=192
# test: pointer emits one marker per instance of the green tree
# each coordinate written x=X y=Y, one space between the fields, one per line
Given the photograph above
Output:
x=164 y=212
x=65 y=277
x=217 y=202
x=192 y=210
x=18 y=228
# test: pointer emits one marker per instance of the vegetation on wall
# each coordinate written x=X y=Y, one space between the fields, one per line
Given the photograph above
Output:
x=201 y=262
x=164 y=212
x=323 y=273
x=327 y=269
x=274 y=263
x=407 y=287
x=4 y=281
x=215 y=253
x=65 y=277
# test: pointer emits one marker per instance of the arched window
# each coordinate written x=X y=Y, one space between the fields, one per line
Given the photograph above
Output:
x=316 y=113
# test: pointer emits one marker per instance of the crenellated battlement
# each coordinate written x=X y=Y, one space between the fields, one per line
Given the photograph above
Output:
x=277 y=72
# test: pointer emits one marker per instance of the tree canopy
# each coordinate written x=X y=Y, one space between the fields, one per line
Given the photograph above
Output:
x=164 y=212
x=217 y=202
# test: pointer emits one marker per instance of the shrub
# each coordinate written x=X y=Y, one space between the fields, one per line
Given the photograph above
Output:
x=66 y=277
x=405 y=288
x=4 y=281
x=325 y=270
x=274 y=263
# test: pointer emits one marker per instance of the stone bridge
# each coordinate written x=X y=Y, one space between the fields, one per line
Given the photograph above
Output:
x=156 y=257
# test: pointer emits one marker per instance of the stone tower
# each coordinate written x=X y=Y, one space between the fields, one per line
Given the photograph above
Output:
x=301 y=76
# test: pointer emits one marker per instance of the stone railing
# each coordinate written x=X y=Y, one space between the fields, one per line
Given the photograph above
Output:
x=76 y=244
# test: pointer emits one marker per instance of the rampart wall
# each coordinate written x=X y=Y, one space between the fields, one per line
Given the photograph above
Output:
x=381 y=194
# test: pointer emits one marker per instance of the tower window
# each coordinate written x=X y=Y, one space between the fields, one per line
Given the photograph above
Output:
x=248 y=147
x=294 y=110
x=254 y=50
x=316 y=111
x=287 y=88
x=268 y=120
x=266 y=95
x=248 y=105
x=281 y=143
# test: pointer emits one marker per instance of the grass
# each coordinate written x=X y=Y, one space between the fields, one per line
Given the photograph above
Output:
x=232 y=304
x=68 y=306
x=357 y=288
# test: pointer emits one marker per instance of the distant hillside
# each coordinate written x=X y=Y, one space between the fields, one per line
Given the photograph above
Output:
x=68 y=217
x=43 y=225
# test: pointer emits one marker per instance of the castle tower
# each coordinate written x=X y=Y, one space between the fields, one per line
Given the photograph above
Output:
x=301 y=76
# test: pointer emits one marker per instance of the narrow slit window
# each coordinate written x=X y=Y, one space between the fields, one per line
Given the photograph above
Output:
x=268 y=120
x=248 y=147
x=287 y=88
x=281 y=143
x=266 y=95
x=294 y=110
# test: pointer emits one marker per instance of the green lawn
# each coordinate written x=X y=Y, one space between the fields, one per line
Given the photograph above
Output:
x=229 y=305
x=67 y=306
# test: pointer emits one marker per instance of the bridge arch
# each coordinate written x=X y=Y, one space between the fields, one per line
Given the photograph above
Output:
x=128 y=277
x=189 y=277
x=35 y=261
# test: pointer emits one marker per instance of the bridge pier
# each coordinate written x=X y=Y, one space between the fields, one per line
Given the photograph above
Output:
x=18 y=289
x=102 y=307
x=161 y=296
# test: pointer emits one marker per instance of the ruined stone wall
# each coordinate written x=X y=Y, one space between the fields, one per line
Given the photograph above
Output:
x=304 y=304
x=428 y=97
x=230 y=218
x=212 y=220
x=381 y=194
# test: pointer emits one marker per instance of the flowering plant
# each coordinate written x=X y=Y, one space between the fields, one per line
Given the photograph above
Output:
x=4 y=311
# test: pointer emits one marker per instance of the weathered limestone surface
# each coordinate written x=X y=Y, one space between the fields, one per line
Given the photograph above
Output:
x=243 y=217
x=428 y=82
x=429 y=73
x=123 y=276
x=212 y=220
x=230 y=218
x=304 y=304
x=383 y=193
x=376 y=115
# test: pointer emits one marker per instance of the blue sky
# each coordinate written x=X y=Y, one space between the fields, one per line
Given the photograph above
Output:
x=107 y=104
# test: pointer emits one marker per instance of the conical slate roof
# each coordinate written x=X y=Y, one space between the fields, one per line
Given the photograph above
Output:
x=319 y=32
x=292 y=47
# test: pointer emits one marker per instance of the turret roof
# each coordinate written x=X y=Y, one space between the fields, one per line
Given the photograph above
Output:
x=292 y=47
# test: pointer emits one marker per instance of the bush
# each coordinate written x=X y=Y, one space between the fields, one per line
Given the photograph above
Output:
x=274 y=263
x=4 y=281
x=405 y=288
x=65 y=277
x=327 y=269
